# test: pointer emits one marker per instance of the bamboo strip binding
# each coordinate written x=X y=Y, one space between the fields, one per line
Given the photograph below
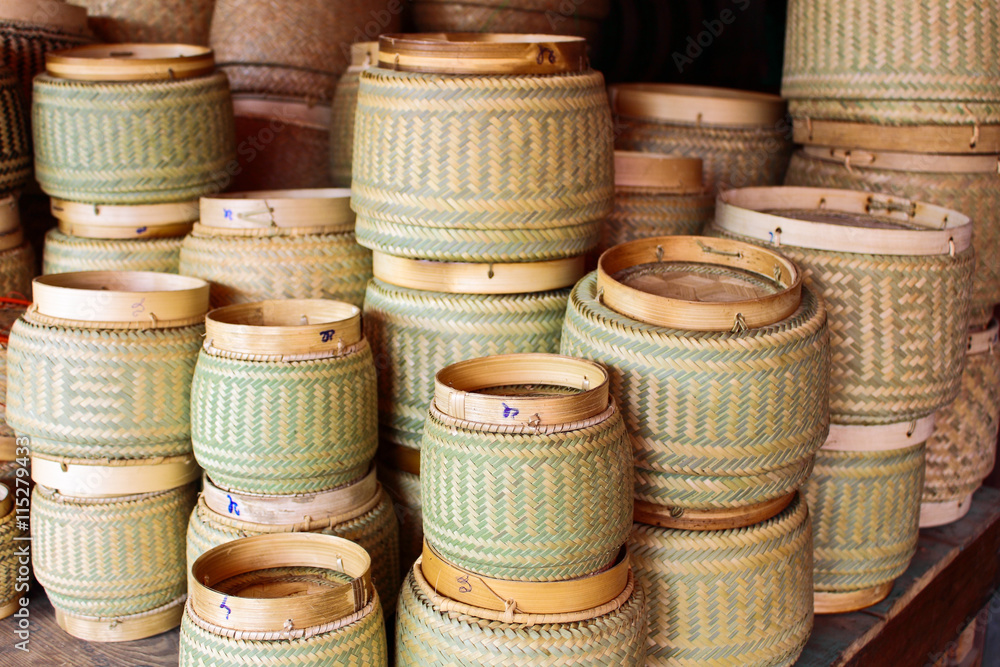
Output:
x=483 y=53
x=131 y=62
x=144 y=221
x=307 y=211
x=97 y=478
x=477 y=278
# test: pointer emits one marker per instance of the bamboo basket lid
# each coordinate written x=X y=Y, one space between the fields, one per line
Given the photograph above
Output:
x=10 y=215
x=634 y=169
x=912 y=162
x=6 y=500
x=981 y=342
x=526 y=597
x=130 y=62
x=843 y=221
x=295 y=610
x=11 y=239
x=293 y=111
x=364 y=54
x=458 y=390
x=699 y=105
x=477 y=278
x=123 y=628
x=106 y=478
x=98 y=221
x=290 y=328
x=852 y=438
x=956 y=139
x=120 y=299
x=319 y=210
x=649 y=280
x=57 y=14
x=483 y=53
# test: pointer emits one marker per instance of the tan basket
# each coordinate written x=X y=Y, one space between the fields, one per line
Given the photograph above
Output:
x=10 y=559
x=170 y=21
x=522 y=16
x=343 y=108
x=17 y=268
x=10 y=310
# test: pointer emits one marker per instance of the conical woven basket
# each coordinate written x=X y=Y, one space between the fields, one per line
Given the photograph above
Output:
x=15 y=141
x=583 y=17
x=761 y=576
x=343 y=109
x=172 y=21
x=10 y=560
x=66 y=254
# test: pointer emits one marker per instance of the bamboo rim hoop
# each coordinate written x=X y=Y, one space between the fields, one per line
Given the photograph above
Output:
x=98 y=221
x=666 y=173
x=455 y=388
x=286 y=330
x=858 y=158
x=130 y=62
x=288 y=614
x=527 y=597
x=10 y=215
x=364 y=54
x=941 y=230
x=477 y=278
x=122 y=628
x=12 y=239
x=681 y=518
x=826 y=602
x=483 y=53
x=119 y=300
x=57 y=14
x=981 y=342
x=934 y=514
x=107 y=478
x=953 y=139
x=316 y=211
x=886 y=437
x=690 y=315
x=295 y=112
x=698 y=105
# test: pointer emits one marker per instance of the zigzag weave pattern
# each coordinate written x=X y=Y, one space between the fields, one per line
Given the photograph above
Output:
x=64 y=254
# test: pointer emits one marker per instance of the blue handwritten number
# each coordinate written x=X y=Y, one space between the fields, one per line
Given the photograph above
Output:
x=463 y=584
x=223 y=606
x=227 y=213
x=141 y=230
x=509 y=411
x=234 y=508
x=327 y=335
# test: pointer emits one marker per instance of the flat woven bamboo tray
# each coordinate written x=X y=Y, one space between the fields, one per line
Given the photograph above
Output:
x=15 y=140
x=68 y=254
x=342 y=110
x=582 y=17
x=170 y=21
x=9 y=559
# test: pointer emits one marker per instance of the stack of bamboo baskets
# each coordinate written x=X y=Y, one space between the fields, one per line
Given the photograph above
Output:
x=482 y=171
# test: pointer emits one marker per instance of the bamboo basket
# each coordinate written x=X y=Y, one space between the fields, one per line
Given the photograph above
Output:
x=545 y=489
x=962 y=451
x=933 y=139
x=303 y=599
x=541 y=180
x=173 y=21
x=68 y=254
x=965 y=183
x=100 y=367
x=15 y=142
x=359 y=511
x=113 y=568
x=283 y=399
x=17 y=265
x=10 y=310
x=742 y=137
x=864 y=498
x=863 y=252
x=761 y=576
x=724 y=424
x=433 y=630
x=522 y=16
x=404 y=489
x=10 y=560
x=343 y=109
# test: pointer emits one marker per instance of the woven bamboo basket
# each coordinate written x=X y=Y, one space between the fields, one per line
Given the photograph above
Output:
x=742 y=137
x=404 y=489
x=545 y=489
x=724 y=424
x=10 y=560
x=966 y=183
x=302 y=598
x=962 y=451
x=15 y=141
x=17 y=266
x=283 y=399
x=522 y=16
x=100 y=367
x=153 y=126
x=541 y=180
x=761 y=576
x=10 y=449
x=113 y=568
x=863 y=252
x=343 y=109
x=433 y=630
x=173 y=21
x=68 y=254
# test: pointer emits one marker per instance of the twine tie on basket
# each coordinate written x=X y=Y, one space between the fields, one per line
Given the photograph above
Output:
x=951 y=247
x=910 y=208
x=457 y=404
x=739 y=324
x=716 y=251
x=912 y=428
x=975 y=126
x=775 y=238
x=510 y=608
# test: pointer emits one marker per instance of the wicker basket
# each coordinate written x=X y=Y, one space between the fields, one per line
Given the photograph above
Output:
x=283 y=399
x=343 y=109
x=404 y=489
x=761 y=576
x=10 y=560
x=173 y=21
x=15 y=141
x=863 y=252
x=523 y=16
x=742 y=137
x=67 y=254
x=17 y=268
x=962 y=451
x=112 y=567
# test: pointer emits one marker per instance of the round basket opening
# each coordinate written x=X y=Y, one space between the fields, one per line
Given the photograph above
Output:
x=130 y=62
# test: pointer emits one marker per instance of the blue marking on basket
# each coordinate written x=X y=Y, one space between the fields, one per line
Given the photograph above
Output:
x=464 y=585
x=227 y=213
x=138 y=308
x=327 y=335
x=509 y=412
x=223 y=606
x=234 y=507
x=141 y=230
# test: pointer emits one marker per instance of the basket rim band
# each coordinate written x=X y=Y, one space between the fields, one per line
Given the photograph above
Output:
x=483 y=53
x=478 y=278
x=981 y=342
x=882 y=438
x=107 y=478
x=858 y=158
x=956 y=139
x=130 y=62
x=123 y=628
x=679 y=518
x=100 y=221
x=698 y=105
x=327 y=209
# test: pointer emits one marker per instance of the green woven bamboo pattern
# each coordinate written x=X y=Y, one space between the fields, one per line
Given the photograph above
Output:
x=132 y=143
x=728 y=597
x=716 y=419
x=962 y=450
x=83 y=393
x=277 y=428
x=23 y=47
x=976 y=195
x=65 y=254
x=524 y=505
x=404 y=489
x=9 y=530
x=865 y=509
x=244 y=270
x=415 y=334
x=641 y=213
x=344 y=106
x=898 y=326
x=155 y=21
x=375 y=530
x=17 y=268
x=897 y=114
x=537 y=186
x=110 y=557
x=15 y=142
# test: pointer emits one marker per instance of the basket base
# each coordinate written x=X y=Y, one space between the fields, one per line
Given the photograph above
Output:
x=841 y=603
x=722 y=519
x=9 y=608
x=124 y=629
x=940 y=514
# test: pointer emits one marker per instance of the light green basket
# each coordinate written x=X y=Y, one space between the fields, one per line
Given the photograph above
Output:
x=65 y=254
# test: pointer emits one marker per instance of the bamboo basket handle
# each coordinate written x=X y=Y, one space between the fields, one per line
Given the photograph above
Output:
x=859 y=158
x=326 y=208
x=483 y=53
x=97 y=221
x=849 y=438
x=66 y=17
x=698 y=105
x=481 y=278
x=130 y=62
x=985 y=341
x=88 y=478
x=653 y=170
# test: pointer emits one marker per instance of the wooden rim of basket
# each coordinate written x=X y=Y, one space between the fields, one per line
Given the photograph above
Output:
x=981 y=342
x=319 y=210
x=130 y=62
x=10 y=215
x=120 y=299
x=400 y=457
x=933 y=514
x=286 y=327
x=107 y=478
x=8 y=608
x=364 y=54
x=8 y=448
x=527 y=597
x=123 y=628
x=698 y=105
x=857 y=158
x=63 y=16
x=842 y=602
x=741 y=211
x=955 y=139
x=278 y=510
x=681 y=518
x=283 y=110
x=98 y=221
x=634 y=169
x=882 y=438
x=477 y=278
x=11 y=239
x=456 y=387
x=6 y=500
x=483 y=53
x=699 y=315
x=286 y=614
